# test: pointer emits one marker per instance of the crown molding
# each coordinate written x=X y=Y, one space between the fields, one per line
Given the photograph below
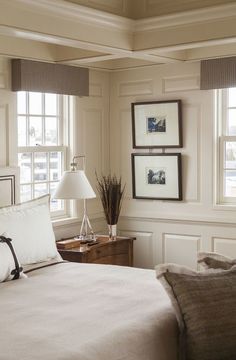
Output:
x=79 y=13
x=186 y=17
x=125 y=28
x=100 y=18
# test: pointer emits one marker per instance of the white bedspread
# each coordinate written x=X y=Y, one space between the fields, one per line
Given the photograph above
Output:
x=73 y=311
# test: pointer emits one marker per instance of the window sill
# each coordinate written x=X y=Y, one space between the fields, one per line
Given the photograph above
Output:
x=64 y=221
x=227 y=207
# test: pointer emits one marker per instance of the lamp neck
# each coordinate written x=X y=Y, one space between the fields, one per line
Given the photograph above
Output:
x=74 y=164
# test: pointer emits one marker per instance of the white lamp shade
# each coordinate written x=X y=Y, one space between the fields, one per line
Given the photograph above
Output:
x=74 y=185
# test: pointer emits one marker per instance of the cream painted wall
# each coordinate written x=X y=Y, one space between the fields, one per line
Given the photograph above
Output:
x=165 y=231
x=171 y=231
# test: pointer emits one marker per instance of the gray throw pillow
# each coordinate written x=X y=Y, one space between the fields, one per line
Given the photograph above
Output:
x=205 y=309
x=210 y=260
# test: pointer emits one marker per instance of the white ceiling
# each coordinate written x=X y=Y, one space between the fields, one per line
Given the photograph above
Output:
x=64 y=32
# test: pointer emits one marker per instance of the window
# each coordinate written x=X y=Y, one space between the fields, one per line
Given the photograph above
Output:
x=226 y=110
x=41 y=153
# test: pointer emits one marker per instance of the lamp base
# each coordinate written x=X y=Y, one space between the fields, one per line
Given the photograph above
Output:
x=85 y=239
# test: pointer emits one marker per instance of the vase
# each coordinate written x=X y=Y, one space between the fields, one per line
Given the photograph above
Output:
x=112 y=231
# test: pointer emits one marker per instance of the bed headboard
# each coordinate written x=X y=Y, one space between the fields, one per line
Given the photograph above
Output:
x=9 y=186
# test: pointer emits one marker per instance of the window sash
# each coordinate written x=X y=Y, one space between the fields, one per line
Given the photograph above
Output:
x=44 y=116
x=62 y=138
x=33 y=183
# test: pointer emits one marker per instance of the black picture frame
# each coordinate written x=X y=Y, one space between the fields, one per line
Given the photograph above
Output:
x=157 y=124
x=157 y=176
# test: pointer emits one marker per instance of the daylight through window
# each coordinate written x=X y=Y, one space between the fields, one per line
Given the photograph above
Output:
x=227 y=145
x=41 y=154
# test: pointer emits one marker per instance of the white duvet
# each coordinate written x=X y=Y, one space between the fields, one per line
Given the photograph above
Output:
x=73 y=311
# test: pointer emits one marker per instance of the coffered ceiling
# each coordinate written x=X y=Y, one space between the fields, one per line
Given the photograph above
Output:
x=94 y=36
x=139 y=9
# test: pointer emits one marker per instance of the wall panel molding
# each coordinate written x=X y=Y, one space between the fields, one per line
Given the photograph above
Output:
x=192 y=124
x=143 y=248
x=93 y=133
x=194 y=220
x=96 y=90
x=180 y=83
x=125 y=147
x=188 y=246
x=134 y=88
x=225 y=246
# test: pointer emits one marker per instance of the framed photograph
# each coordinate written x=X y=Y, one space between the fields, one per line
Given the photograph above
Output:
x=157 y=124
x=157 y=176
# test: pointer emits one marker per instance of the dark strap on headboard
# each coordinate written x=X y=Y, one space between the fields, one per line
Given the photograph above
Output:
x=16 y=272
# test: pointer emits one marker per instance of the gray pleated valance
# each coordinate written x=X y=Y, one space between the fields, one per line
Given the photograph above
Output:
x=218 y=73
x=38 y=76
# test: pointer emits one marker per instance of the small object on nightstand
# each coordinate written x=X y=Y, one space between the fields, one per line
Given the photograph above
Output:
x=68 y=243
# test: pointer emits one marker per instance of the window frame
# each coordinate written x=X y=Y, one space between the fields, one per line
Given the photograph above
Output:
x=221 y=130
x=65 y=123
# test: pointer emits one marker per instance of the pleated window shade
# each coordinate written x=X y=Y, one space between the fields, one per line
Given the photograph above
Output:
x=218 y=73
x=38 y=76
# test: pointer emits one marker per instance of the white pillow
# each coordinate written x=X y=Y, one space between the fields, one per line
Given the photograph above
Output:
x=7 y=263
x=30 y=228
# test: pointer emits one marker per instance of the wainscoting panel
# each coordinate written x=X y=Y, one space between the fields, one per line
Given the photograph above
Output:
x=224 y=246
x=95 y=90
x=143 y=248
x=133 y=88
x=93 y=134
x=126 y=148
x=192 y=149
x=181 y=83
x=181 y=249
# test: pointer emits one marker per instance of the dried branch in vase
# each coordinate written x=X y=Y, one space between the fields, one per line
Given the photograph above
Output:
x=111 y=193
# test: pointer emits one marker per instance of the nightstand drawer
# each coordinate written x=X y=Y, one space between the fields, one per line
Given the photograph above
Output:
x=118 y=259
x=109 y=250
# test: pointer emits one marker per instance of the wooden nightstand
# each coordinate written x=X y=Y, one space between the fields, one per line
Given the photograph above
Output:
x=116 y=252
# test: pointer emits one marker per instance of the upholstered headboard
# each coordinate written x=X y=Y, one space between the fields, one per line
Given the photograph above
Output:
x=9 y=186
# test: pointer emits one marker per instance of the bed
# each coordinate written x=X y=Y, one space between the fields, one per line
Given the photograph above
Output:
x=72 y=311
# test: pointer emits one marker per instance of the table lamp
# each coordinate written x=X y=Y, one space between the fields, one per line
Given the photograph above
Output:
x=75 y=185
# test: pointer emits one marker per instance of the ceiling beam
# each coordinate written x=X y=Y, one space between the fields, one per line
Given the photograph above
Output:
x=79 y=35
